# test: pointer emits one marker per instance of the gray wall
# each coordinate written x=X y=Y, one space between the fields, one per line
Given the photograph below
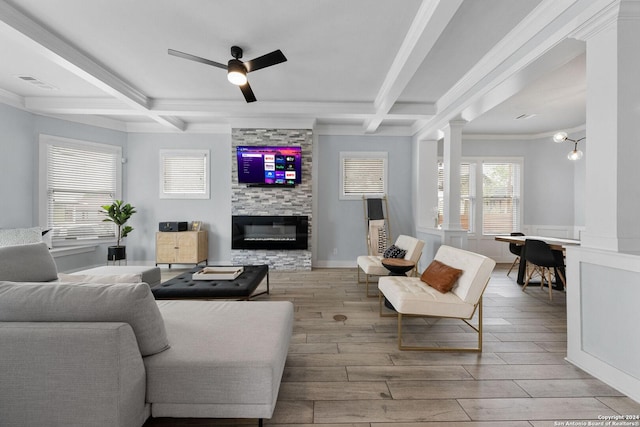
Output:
x=554 y=186
x=549 y=189
x=341 y=222
x=19 y=170
x=17 y=177
x=143 y=192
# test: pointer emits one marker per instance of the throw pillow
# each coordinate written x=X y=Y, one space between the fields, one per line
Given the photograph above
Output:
x=103 y=278
x=20 y=236
x=87 y=302
x=394 y=252
x=440 y=276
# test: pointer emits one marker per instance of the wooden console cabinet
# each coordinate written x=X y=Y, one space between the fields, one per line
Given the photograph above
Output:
x=182 y=247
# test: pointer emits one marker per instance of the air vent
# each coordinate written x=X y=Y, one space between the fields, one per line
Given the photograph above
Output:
x=39 y=83
x=525 y=116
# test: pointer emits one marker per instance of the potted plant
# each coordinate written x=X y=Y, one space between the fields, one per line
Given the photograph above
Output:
x=119 y=213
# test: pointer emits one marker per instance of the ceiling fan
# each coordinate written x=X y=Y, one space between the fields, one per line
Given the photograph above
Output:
x=236 y=69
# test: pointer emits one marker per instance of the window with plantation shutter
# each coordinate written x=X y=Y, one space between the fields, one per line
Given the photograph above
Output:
x=497 y=182
x=363 y=174
x=77 y=178
x=467 y=195
x=500 y=197
x=184 y=174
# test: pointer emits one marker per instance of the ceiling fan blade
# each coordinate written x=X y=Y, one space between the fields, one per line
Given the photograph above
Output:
x=247 y=92
x=196 y=58
x=267 y=60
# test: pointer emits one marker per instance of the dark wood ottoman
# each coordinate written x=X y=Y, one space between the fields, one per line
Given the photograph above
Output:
x=242 y=287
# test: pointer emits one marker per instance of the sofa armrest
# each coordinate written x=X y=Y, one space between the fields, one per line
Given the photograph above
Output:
x=72 y=374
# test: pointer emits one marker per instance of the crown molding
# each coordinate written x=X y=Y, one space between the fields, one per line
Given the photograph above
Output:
x=520 y=136
x=198 y=128
x=12 y=99
x=73 y=60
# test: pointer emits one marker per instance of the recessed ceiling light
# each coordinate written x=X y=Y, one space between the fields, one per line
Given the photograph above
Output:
x=36 y=82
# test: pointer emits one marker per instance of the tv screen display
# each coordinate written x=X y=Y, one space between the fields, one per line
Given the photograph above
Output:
x=269 y=165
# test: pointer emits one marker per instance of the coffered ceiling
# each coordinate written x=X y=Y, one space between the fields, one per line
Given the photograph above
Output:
x=359 y=66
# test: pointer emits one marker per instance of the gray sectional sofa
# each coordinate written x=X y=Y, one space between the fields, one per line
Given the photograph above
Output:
x=95 y=354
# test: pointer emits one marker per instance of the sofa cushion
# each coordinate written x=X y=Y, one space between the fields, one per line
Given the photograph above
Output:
x=27 y=263
x=71 y=374
x=129 y=303
x=100 y=278
x=226 y=358
x=440 y=276
x=371 y=264
x=410 y=295
x=150 y=274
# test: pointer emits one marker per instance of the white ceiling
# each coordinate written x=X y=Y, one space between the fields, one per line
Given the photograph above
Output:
x=359 y=66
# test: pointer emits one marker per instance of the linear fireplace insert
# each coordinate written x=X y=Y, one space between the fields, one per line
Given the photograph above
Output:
x=269 y=232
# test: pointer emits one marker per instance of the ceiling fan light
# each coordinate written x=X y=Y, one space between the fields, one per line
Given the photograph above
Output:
x=237 y=78
x=560 y=137
x=236 y=73
x=575 y=155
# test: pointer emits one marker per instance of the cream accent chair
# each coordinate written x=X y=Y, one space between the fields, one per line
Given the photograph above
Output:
x=412 y=297
x=371 y=265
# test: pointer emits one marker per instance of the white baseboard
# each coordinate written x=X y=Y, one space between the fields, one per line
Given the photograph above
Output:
x=335 y=264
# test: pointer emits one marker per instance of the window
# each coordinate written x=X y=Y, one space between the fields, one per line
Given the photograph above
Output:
x=76 y=179
x=363 y=174
x=499 y=184
x=467 y=195
x=184 y=174
x=500 y=198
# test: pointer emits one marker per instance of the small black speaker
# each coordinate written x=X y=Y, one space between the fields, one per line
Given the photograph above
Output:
x=173 y=226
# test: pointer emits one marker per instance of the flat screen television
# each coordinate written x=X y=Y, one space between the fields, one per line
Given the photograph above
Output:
x=269 y=165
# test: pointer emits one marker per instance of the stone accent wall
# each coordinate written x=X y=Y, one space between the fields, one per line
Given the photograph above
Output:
x=273 y=201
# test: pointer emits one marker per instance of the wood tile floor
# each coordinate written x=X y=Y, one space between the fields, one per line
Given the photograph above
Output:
x=344 y=368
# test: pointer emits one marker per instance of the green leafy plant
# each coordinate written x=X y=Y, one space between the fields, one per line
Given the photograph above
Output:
x=119 y=213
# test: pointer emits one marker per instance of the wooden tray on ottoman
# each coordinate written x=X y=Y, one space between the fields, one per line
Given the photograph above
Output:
x=218 y=273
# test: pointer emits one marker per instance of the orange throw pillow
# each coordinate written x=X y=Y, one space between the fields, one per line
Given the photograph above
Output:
x=440 y=276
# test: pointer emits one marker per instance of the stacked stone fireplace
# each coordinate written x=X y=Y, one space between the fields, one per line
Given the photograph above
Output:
x=254 y=206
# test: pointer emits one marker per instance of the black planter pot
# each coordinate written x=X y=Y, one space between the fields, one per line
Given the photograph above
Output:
x=116 y=253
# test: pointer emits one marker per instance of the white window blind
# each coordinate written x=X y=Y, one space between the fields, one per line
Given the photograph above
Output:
x=184 y=174
x=363 y=174
x=501 y=198
x=78 y=179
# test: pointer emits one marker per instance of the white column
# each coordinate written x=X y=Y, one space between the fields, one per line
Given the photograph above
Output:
x=426 y=179
x=451 y=160
x=613 y=131
x=602 y=273
x=452 y=232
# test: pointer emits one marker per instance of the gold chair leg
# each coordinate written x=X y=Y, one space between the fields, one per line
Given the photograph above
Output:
x=367 y=288
x=381 y=304
x=478 y=329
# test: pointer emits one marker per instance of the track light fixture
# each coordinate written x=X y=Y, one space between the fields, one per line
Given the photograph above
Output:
x=575 y=154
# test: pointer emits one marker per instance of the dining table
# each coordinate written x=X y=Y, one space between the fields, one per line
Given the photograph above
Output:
x=556 y=243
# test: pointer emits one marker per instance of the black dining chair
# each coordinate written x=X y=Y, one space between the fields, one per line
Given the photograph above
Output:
x=542 y=258
x=516 y=250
